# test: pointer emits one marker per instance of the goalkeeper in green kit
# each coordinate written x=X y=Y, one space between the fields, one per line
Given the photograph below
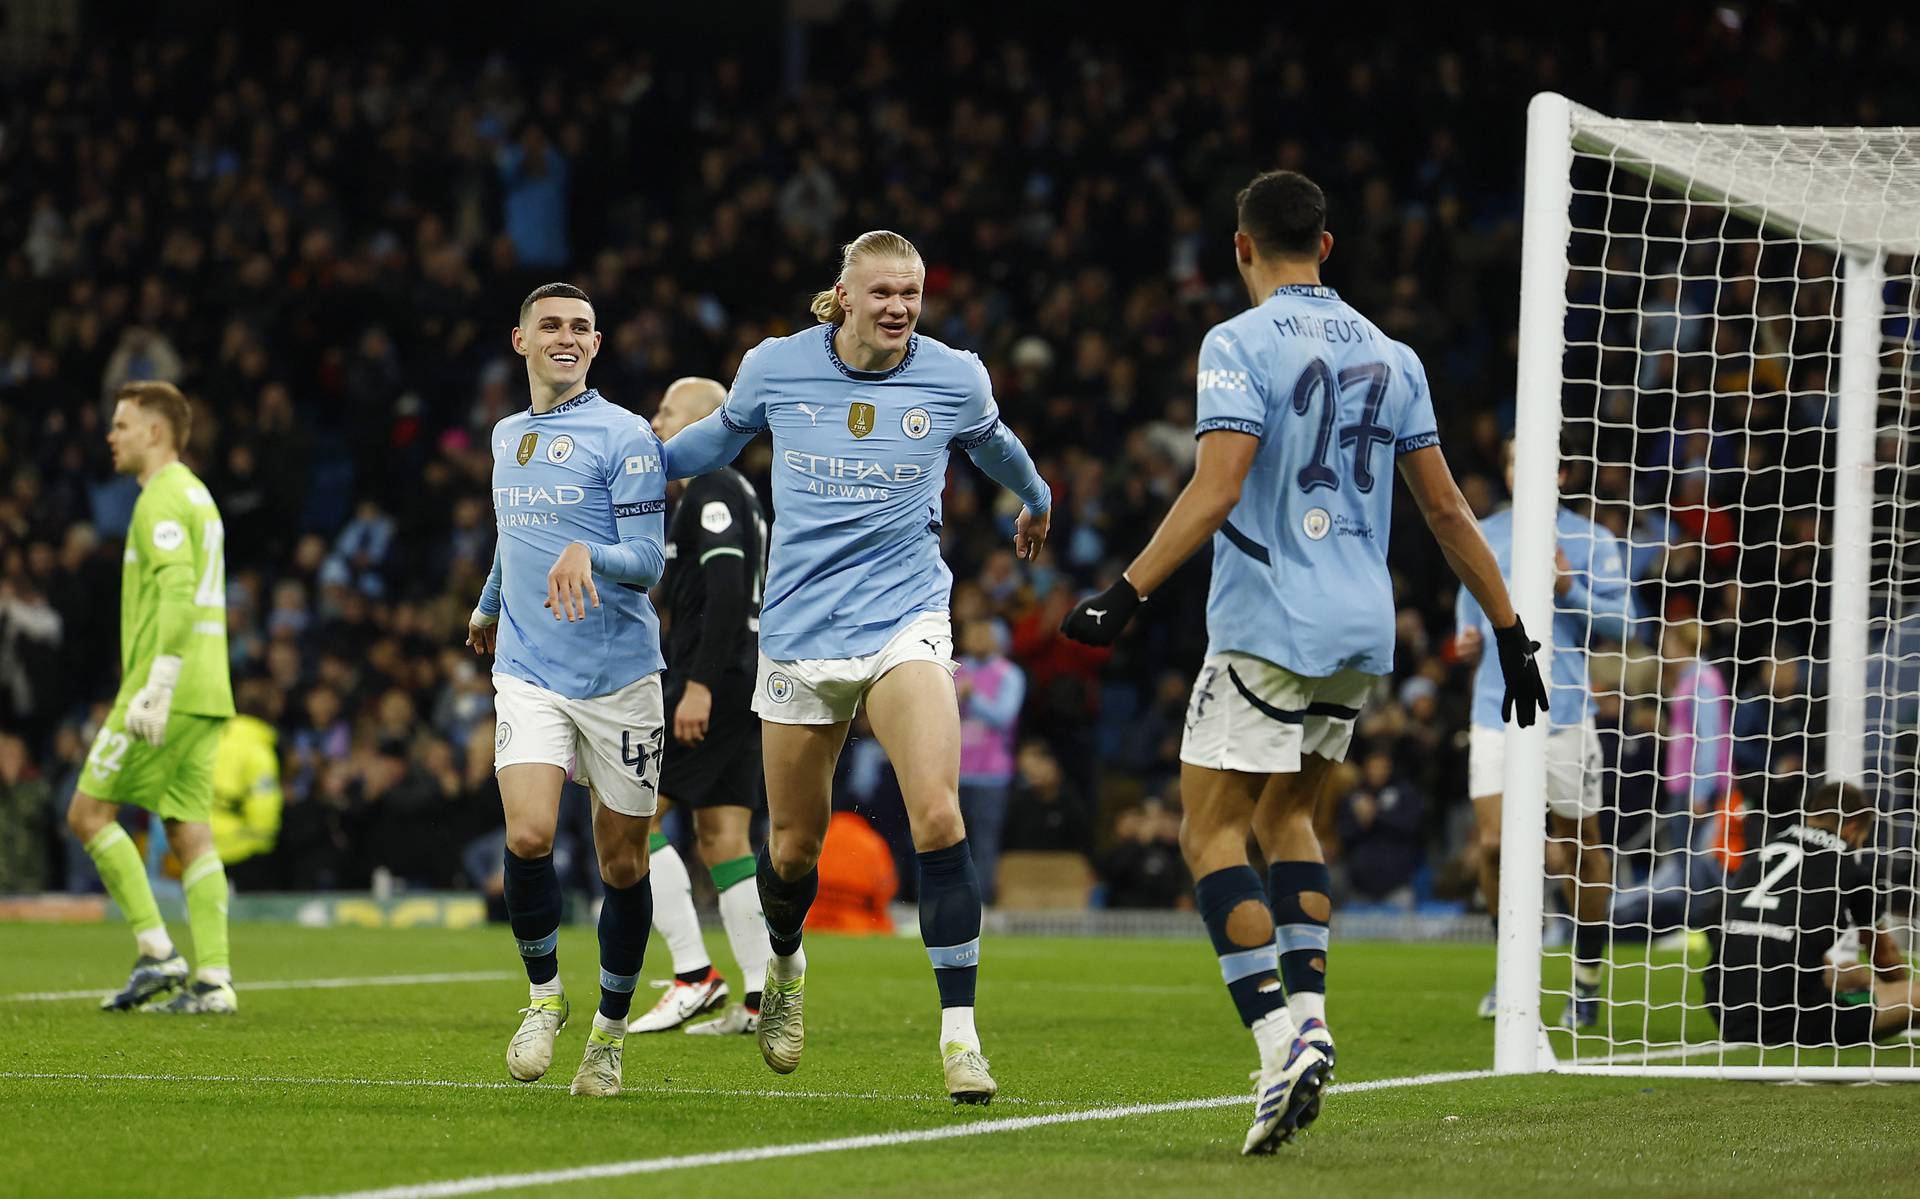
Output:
x=157 y=747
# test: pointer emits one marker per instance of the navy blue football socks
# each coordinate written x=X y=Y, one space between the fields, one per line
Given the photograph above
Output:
x=950 y=921
x=532 y=891
x=1249 y=970
x=626 y=918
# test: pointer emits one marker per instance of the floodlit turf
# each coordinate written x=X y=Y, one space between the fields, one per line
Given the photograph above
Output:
x=283 y=1100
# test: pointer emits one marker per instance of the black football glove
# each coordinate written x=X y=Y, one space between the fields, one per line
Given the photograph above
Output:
x=1526 y=694
x=1098 y=619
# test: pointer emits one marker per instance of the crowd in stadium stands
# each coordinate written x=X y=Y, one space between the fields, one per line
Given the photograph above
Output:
x=325 y=247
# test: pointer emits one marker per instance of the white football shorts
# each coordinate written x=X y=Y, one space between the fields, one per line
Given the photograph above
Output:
x=1573 y=768
x=611 y=743
x=828 y=690
x=1249 y=715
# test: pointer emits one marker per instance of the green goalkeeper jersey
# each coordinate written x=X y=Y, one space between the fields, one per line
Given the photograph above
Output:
x=173 y=593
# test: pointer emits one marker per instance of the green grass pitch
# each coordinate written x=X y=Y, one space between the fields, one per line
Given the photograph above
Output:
x=351 y=1086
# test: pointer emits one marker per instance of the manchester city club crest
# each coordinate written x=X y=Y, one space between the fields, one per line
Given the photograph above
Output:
x=779 y=686
x=560 y=449
x=915 y=423
x=526 y=448
x=859 y=419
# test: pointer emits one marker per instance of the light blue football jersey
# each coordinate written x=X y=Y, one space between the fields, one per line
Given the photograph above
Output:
x=587 y=470
x=1300 y=567
x=859 y=464
x=1598 y=603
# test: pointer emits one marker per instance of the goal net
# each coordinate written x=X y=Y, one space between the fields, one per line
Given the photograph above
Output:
x=1718 y=366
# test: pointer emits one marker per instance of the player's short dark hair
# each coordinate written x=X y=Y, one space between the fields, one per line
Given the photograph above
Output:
x=1839 y=803
x=547 y=291
x=1284 y=212
x=164 y=400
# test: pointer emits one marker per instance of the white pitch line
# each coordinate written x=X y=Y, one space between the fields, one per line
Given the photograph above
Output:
x=470 y=1085
x=296 y=984
x=879 y=1140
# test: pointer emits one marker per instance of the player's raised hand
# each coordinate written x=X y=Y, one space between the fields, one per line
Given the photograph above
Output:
x=1526 y=694
x=1030 y=532
x=1098 y=619
x=483 y=631
x=570 y=584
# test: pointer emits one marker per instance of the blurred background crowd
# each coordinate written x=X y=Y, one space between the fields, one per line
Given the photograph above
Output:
x=324 y=243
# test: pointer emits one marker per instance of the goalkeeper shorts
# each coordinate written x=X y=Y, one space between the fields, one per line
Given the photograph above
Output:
x=173 y=780
x=1249 y=715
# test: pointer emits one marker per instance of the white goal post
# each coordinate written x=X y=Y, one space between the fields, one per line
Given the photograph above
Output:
x=1718 y=365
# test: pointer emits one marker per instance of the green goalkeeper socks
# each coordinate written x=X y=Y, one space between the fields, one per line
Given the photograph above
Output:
x=125 y=875
x=205 y=882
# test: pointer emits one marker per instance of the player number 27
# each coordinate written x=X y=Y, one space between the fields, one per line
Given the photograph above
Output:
x=1319 y=382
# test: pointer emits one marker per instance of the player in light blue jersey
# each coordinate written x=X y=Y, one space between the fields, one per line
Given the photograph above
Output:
x=1592 y=600
x=1305 y=408
x=863 y=411
x=579 y=499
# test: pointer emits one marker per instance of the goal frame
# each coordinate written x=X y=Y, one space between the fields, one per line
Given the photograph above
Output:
x=1556 y=128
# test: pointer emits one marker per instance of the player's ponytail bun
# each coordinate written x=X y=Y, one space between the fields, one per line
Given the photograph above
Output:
x=878 y=243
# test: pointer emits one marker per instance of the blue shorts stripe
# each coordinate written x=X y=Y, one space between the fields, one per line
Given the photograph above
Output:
x=954 y=957
x=1290 y=937
x=1249 y=962
x=540 y=948
x=624 y=983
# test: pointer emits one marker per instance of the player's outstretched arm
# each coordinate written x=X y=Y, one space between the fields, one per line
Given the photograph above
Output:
x=704 y=446
x=482 y=626
x=1465 y=547
x=1004 y=459
x=1219 y=470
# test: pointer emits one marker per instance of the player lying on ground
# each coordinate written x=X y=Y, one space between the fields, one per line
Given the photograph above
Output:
x=716 y=551
x=1298 y=396
x=1776 y=977
x=158 y=745
x=579 y=501
x=1591 y=599
x=863 y=411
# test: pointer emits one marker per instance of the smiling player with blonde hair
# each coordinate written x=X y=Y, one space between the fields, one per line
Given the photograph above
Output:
x=863 y=412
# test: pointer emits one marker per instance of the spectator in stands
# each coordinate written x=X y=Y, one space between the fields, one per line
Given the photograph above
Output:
x=990 y=689
x=31 y=644
x=1381 y=830
x=857 y=878
x=247 y=799
x=1143 y=867
x=24 y=803
x=1771 y=723
x=1047 y=815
